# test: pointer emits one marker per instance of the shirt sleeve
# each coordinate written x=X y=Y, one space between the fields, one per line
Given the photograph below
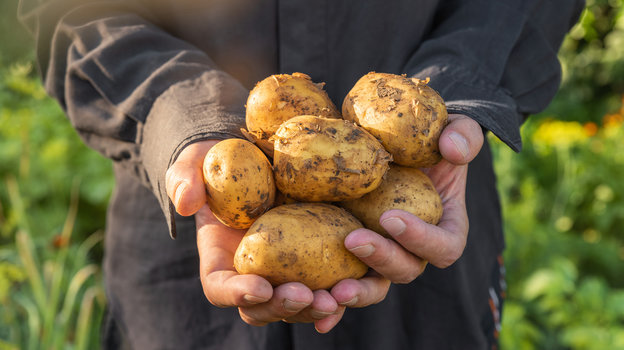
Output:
x=132 y=91
x=496 y=61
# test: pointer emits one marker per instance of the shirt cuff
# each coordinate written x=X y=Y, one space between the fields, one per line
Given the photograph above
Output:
x=489 y=105
x=210 y=106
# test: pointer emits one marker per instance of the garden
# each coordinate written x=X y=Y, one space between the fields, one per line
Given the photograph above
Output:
x=562 y=198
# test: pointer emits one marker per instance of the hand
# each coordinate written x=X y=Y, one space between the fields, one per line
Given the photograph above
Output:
x=415 y=242
x=257 y=301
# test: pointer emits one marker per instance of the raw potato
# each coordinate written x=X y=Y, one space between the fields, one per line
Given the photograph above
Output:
x=239 y=182
x=404 y=188
x=322 y=160
x=405 y=114
x=280 y=97
x=300 y=242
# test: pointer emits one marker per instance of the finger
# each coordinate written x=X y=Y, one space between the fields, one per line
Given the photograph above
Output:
x=328 y=323
x=368 y=290
x=288 y=299
x=461 y=140
x=322 y=306
x=228 y=288
x=441 y=245
x=384 y=256
x=184 y=180
x=222 y=285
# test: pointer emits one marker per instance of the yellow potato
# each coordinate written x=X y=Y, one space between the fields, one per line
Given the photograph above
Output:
x=405 y=114
x=280 y=97
x=404 y=188
x=239 y=182
x=320 y=159
x=300 y=242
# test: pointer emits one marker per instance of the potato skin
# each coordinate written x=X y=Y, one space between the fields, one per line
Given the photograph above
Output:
x=301 y=242
x=239 y=182
x=404 y=188
x=280 y=97
x=322 y=160
x=405 y=114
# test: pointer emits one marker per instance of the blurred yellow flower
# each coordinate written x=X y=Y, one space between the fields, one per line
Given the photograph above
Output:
x=560 y=134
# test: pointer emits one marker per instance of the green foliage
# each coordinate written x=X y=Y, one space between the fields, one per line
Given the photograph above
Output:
x=39 y=312
x=40 y=149
x=593 y=63
x=51 y=294
x=563 y=200
x=563 y=210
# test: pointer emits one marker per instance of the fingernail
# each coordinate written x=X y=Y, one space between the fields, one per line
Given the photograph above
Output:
x=179 y=192
x=394 y=226
x=319 y=315
x=460 y=143
x=350 y=302
x=252 y=299
x=293 y=306
x=363 y=251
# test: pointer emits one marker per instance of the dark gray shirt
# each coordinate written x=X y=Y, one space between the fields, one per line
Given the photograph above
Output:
x=140 y=80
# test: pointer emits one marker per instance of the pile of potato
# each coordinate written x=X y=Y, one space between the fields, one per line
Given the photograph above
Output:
x=321 y=175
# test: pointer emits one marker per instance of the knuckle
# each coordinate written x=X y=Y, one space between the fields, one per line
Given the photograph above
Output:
x=170 y=179
x=210 y=297
x=448 y=260
x=382 y=258
x=411 y=274
x=408 y=276
x=249 y=319
x=382 y=296
x=213 y=301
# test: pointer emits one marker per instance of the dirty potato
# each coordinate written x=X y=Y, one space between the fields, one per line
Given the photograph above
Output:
x=300 y=242
x=405 y=114
x=239 y=182
x=280 y=97
x=320 y=159
x=404 y=188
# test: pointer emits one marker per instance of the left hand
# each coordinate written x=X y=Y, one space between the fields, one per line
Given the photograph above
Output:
x=416 y=242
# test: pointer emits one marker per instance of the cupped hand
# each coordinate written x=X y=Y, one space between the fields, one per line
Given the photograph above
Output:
x=257 y=301
x=415 y=242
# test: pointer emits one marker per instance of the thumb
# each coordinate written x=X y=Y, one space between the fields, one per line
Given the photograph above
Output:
x=184 y=181
x=461 y=139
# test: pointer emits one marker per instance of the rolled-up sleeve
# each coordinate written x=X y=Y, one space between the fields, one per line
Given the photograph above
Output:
x=133 y=92
x=496 y=61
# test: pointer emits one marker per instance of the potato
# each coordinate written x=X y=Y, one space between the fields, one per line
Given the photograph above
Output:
x=300 y=242
x=320 y=159
x=405 y=114
x=239 y=182
x=280 y=97
x=404 y=188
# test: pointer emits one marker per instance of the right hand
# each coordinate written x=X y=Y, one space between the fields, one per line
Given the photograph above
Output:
x=257 y=301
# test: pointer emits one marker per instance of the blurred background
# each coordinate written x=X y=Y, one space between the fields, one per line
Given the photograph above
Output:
x=562 y=197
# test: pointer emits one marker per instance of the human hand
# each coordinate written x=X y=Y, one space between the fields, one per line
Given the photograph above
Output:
x=415 y=242
x=257 y=301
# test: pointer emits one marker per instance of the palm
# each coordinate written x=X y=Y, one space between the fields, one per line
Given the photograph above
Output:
x=450 y=182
